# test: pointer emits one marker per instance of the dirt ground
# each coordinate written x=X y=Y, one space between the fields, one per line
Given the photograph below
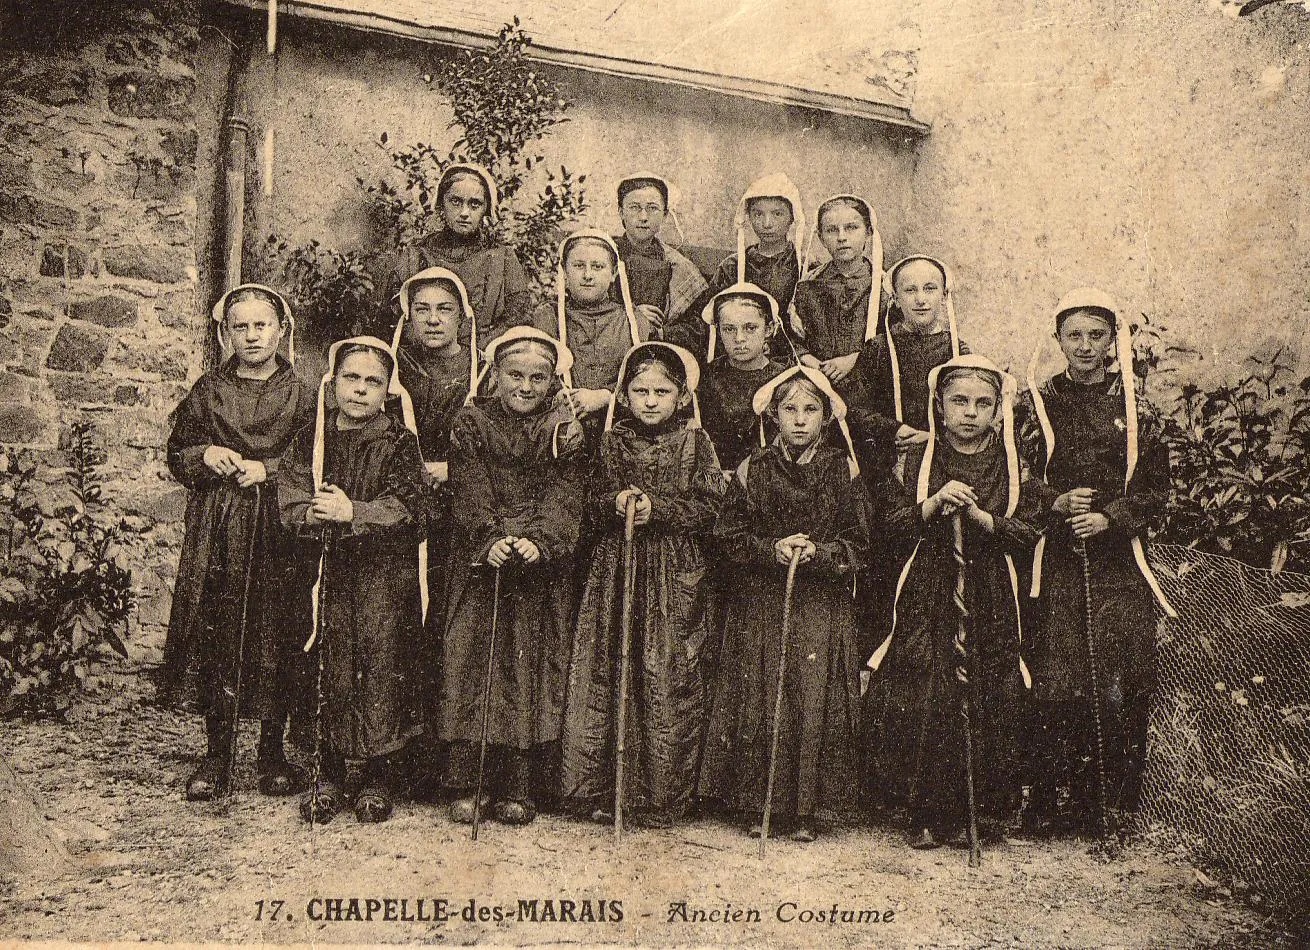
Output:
x=153 y=867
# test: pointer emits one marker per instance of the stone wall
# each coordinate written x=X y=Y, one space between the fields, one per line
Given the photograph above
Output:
x=98 y=315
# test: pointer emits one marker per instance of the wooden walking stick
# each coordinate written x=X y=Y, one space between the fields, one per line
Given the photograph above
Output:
x=777 y=697
x=962 y=674
x=318 y=639
x=1096 y=689
x=486 y=706
x=625 y=661
x=230 y=764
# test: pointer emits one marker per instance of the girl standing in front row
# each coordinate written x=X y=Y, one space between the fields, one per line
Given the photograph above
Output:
x=354 y=482
x=922 y=676
x=800 y=494
x=1110 y=470
x=228 y=437
x=517 y=502
x=660 y=457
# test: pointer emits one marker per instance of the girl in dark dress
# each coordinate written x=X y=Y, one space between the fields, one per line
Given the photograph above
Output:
x=839 y=306
x=352 y=488
x=660 y=456
x=228 y=436
x=1104 y=460
x=745 y=319
x=891 y=375
x=967 y=468
x=438 y=372
x=890 y=415
x=771 y=209
x=663 y=283
x=468 y=204
x=801 y=493
x=514 y=475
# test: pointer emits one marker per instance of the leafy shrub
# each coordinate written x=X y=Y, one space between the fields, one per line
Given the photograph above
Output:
x=331 y=289
x=63 y=596
x=1238 y=449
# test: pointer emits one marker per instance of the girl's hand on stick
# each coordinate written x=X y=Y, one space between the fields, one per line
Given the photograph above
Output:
x=222 y=461
x=950 y=498
x=331 y=504
x=437 y=472
x=1088 y=525
x=1075 y=502
x=642 y=514
x=784 y=547
x=527 y=550
x=501 y=552
x=250 y=473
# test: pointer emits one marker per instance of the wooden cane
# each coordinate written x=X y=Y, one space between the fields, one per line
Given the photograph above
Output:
x=962 y=674
x=486 y=705
x=1096 y=690
x=777 y=697
x=318 y=639
x=230 y=765
x=625 y=662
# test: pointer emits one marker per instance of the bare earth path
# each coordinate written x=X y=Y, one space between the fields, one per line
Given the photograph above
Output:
x=153 y=867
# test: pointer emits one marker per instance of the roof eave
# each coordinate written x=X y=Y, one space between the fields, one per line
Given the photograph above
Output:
x=887 y=112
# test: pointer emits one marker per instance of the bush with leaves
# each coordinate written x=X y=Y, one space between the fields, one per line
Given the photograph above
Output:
x=63 y=595
x=332 y=290
x=1238 y=451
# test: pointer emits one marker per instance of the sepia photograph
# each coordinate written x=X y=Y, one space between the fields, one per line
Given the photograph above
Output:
x=655 y=473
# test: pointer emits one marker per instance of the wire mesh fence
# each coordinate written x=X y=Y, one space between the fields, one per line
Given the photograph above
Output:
x=1229 y=761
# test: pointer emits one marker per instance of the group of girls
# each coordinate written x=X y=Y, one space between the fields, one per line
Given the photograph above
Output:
x=421 y=566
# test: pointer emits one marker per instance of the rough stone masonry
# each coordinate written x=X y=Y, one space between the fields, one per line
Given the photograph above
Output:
x=98 y=316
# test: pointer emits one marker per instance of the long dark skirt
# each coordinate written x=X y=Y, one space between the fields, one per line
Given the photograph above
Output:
x=205 y=626
x=816 y=748
x=668 y=690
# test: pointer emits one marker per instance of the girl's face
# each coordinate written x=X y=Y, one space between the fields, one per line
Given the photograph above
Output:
x=523 y=380
x=360 y=386
x=433 y=317
x=920 y=291
x=254 y=331
x=464 y=204
x=770 y=219
x=744 y=333
x=801 y=415
x=968 y=409
x=1085 y=339
x=588 y=272
x=652 y=396
x=643 y=214
x=843 y=232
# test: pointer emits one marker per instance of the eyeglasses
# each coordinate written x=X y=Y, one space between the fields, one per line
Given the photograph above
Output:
x=652 y=209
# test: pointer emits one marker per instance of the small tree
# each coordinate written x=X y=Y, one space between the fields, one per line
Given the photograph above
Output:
x=503 y=107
